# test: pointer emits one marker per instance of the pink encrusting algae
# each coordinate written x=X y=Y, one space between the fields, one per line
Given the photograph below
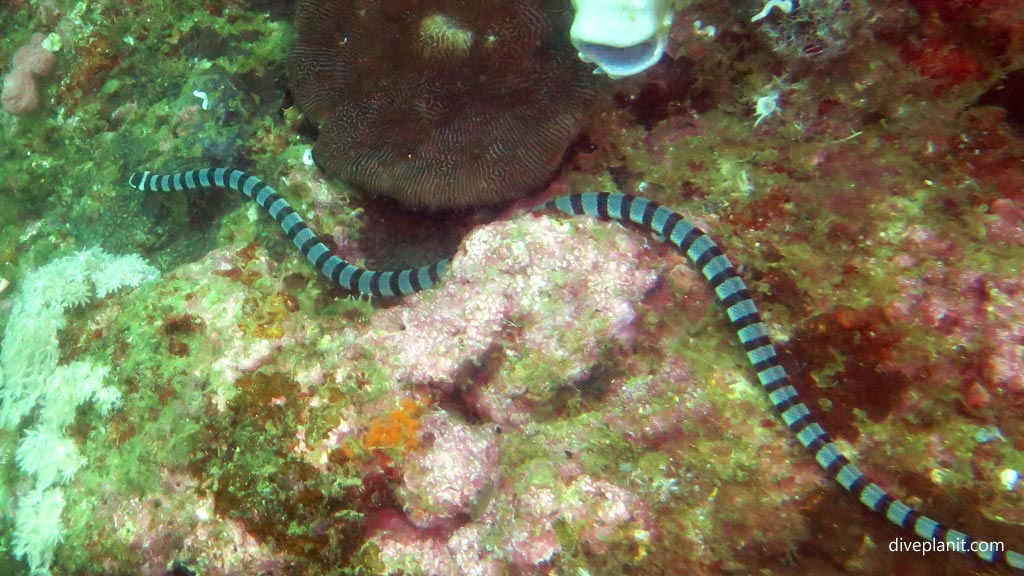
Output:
x=504 y=329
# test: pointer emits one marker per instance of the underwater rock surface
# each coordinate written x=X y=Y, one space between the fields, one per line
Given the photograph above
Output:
x=598 y=417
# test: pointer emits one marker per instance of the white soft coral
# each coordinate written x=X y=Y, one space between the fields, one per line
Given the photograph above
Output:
x=34 y=386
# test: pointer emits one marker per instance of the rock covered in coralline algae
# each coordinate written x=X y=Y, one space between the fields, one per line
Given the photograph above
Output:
x=528 y=305
x=447 y=478
x=518 y=531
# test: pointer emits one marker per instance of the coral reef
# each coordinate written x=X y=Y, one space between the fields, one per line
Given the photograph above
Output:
x=440 y=104
x=568 y=399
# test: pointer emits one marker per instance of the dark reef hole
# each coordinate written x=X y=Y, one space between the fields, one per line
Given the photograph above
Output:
x=1008 y=94
x=396 y=238
x=206 y=207
x=178 y=569
x=471 y=379
x=587 y=394
x=668 y=91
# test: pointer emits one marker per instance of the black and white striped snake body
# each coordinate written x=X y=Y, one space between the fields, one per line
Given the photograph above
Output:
x=698 y=248
x=338 y=270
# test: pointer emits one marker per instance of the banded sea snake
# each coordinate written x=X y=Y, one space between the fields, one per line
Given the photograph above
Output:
x=699 y=249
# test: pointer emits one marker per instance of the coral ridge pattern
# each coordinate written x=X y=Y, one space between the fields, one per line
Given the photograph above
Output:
x=699 y=249
x=442 y=104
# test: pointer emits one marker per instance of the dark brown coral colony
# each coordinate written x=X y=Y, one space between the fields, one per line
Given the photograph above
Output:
x=444 y=103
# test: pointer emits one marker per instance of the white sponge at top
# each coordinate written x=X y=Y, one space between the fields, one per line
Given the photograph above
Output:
x=621 y=37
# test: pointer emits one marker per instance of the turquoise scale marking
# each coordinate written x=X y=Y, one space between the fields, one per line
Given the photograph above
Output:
x=589 y=201
x=729 y=287
x=364 y=283
x=404 y=284
x=827 y=455
x=385 y=283
x=423 y=276
x=741 y=309
x=795 y=412
x=290 y=221
x=615 y=206
x=316 y=252
x=897 y=511
x=758 y=355
x=925 y=527
x=661 y=216
x=849 y=476
x=956 y=536
x=563 y=203
x=872 y=495
x=330 y=265
x=752 y=332
x=809 y=434
x=302 y=237
x=782 y=394
x=716 y=266
x=265 y=193
x=771 y=374
x=699 y=247
x=250 y=183
x=346 y=276
x=680 y=232
x=275 y=208
x=637 y=209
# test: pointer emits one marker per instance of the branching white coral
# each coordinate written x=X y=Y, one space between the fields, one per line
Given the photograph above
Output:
x=59 y=465
x=34 y=386
x=39 y=528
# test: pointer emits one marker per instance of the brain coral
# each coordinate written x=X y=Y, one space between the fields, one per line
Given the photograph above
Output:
x=440 y=103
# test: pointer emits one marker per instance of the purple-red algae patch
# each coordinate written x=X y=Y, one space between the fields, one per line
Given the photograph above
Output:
x=841 y=363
